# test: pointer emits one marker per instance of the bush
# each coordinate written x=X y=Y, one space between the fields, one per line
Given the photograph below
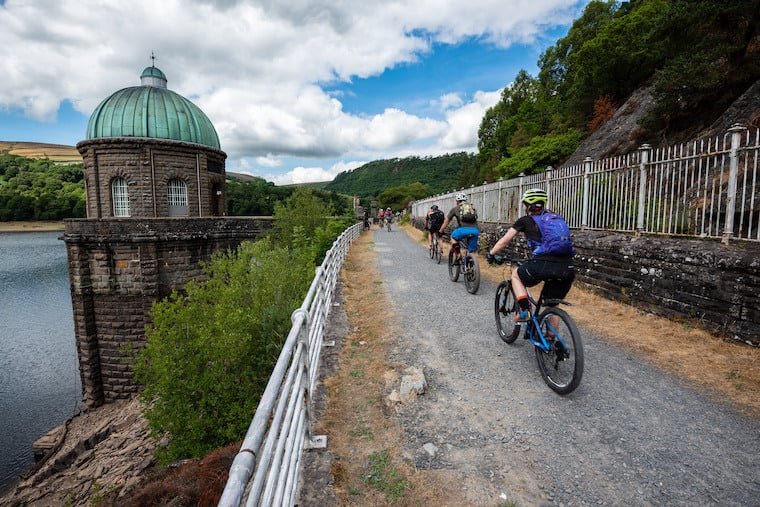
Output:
x=210 y=352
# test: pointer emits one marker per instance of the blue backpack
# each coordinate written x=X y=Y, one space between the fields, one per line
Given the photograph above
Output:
x=555 y=235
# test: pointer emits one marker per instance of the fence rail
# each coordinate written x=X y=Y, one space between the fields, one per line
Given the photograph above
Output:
x=265 y=470
x=703 y=188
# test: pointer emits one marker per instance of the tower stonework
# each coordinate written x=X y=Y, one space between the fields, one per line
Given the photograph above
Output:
x=148 y=165
x=156 y=198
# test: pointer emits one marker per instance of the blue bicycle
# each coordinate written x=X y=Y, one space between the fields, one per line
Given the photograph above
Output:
x=552 y=332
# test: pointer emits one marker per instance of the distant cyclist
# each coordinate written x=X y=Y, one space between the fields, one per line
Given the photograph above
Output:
x=552 y=260
x=467 y=219
x=433 y=221
x=388 y=217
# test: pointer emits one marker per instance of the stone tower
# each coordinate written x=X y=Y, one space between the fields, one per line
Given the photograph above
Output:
x=155 y=190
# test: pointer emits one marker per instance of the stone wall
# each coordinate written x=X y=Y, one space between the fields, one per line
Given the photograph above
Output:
x=117 y=268
x=700 y=281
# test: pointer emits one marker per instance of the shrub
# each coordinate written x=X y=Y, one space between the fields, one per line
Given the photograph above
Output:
x=210 y=352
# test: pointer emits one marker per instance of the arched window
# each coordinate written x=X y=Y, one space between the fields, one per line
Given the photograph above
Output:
x=177 y=198
x=120 y=197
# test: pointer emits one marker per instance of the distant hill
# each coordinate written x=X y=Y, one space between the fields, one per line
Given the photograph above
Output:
x=440 y=174
x=56 y=152
x=316 y=185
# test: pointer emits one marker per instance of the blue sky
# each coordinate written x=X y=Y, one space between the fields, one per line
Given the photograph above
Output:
x=297 y=90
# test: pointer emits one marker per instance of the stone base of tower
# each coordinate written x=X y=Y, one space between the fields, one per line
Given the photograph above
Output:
x=118 y=268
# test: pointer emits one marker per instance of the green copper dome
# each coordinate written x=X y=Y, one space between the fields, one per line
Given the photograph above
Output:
x=151 y=110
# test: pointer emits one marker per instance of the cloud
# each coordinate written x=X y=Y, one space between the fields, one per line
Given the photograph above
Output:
x=264 y=71
x=309 y=174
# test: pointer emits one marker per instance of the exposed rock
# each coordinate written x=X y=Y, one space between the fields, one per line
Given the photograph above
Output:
x=620 y=134
x=412 y=383
x=105 y=450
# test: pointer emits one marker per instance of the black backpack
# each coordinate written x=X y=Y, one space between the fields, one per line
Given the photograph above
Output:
x=435 y=221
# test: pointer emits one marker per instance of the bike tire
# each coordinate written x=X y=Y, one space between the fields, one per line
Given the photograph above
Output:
x=505 y=306
x=561 y=367
x=454 y=266
x=471 y=273
x=438 y=253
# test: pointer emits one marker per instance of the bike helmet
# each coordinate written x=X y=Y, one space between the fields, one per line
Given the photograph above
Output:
x=434 y=207
x=461 y=197
x=535 y=196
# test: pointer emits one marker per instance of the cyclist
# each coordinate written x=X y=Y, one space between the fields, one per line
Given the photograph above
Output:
x=467 y=220
x=433 y=221
x=388 y=216
x=554 y=268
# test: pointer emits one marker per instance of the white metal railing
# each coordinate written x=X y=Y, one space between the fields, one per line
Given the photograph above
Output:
x=703 y=188
x=265 y=470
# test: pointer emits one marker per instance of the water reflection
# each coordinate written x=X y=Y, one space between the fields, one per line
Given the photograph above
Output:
x=39 y=375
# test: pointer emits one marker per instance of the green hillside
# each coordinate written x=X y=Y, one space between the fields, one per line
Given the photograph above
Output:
x=438 y=174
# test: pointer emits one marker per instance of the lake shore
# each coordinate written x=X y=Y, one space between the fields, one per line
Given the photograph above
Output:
x=40 y=226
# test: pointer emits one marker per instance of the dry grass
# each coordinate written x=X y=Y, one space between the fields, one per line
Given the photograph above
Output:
x=724 y=369
x=369 y=469
x=55 y=152
x=39 y=226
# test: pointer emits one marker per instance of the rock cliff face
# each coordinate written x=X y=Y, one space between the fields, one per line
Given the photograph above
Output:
x=102 y=451
x=622 y=133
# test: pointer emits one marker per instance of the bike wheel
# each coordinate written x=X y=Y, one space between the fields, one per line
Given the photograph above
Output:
x=504 y=307
x=453 y=266
x=438 y=253
x=471 y=273
x=562 y=365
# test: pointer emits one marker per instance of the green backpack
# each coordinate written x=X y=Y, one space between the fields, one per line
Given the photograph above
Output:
x=468 y=212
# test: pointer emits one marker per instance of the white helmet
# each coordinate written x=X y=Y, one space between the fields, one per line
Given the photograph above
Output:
x=461 y=197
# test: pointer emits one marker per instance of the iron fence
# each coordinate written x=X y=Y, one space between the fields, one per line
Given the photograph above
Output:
x=706 y=188
x=265 y=470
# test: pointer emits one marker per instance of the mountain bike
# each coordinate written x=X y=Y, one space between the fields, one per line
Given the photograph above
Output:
x=465 y=263
x=435 y=250
x=553 y=333
x=388 y=223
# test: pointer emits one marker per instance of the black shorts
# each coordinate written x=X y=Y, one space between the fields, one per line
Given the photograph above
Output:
x=557 y=275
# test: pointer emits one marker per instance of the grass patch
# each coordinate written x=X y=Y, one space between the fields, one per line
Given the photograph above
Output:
x=384 y=476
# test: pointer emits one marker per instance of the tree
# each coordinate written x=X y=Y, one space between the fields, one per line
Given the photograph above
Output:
x=303 y=211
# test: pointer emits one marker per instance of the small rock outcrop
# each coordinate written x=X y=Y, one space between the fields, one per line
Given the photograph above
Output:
x=104 y=451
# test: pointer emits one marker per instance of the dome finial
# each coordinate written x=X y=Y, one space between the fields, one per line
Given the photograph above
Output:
x=152 y=76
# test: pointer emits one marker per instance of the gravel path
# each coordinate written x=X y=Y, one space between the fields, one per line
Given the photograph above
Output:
x=629 y=435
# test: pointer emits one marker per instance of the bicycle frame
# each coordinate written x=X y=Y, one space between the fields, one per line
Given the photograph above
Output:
x=532 y=328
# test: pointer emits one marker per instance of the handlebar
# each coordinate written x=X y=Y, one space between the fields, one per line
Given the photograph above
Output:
x=503 y=259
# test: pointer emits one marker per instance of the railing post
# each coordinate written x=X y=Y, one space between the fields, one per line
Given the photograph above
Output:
x=645 y=150
x=498 y=201
x=519 y=195
x=548 y=180
x=733 y=175
x=586 y=189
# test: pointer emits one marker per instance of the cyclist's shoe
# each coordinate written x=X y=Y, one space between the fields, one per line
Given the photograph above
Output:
x=522 y=316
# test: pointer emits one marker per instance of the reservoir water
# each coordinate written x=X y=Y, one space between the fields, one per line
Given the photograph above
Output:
x=39 y=374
